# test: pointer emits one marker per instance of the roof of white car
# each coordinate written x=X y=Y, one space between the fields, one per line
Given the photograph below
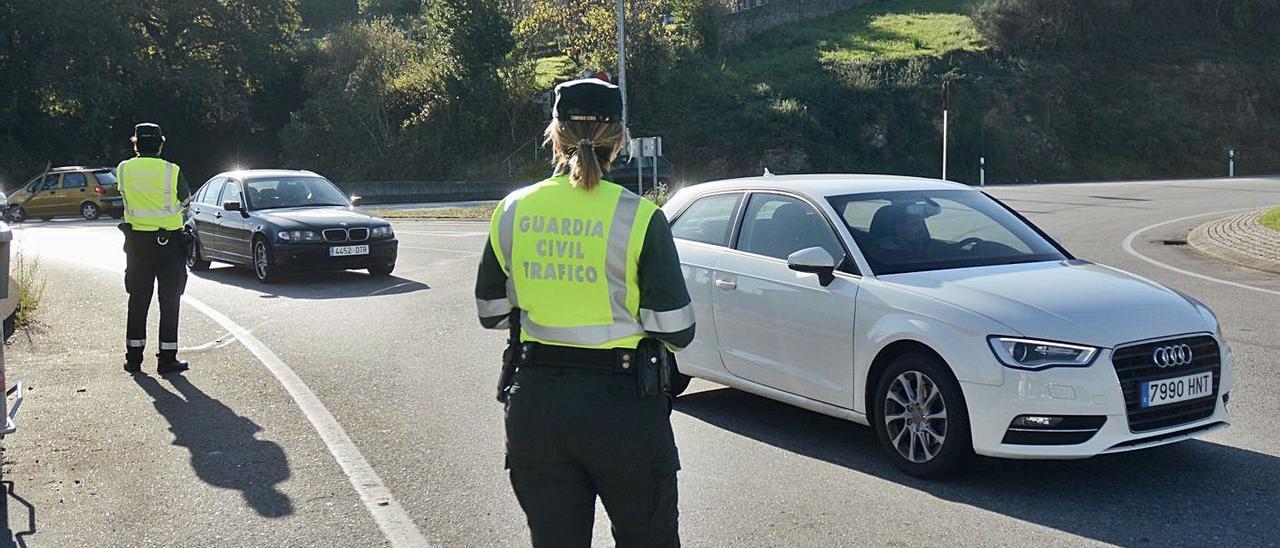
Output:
x=832 y=184
x=260 y=173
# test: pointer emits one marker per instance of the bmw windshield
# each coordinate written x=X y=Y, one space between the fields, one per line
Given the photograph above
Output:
x=913 y=231
x=280 y=192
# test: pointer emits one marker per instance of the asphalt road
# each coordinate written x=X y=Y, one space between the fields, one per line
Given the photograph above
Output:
x=402 y=366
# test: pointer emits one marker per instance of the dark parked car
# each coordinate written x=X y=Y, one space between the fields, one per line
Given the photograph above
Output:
x=279 y=220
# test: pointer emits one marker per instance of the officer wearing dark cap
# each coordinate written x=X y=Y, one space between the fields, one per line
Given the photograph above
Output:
x=585 y=275
x=154 y=193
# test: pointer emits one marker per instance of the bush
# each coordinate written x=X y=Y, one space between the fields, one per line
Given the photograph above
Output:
x=31 y=286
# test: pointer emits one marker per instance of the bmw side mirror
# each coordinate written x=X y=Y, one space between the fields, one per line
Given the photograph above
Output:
x=814 y=260
x=356 y=200
x=231 y=205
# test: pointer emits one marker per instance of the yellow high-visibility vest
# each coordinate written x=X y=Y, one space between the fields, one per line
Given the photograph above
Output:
x=150 y=190
x=571 y=259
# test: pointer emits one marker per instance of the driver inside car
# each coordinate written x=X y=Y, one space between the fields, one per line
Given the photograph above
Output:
x=900 y=233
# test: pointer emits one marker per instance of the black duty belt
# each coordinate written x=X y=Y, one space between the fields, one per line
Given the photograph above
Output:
x=620 y=360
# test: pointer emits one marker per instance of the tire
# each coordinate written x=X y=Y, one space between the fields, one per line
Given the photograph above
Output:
x=195 y=260
x=90 y=211
x=909 y=434
x=679 y=381
x=382 y=271
x=263 y=266
x=16 y=214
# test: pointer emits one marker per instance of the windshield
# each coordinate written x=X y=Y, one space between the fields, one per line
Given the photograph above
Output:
x=278 y=192
x=913 y=231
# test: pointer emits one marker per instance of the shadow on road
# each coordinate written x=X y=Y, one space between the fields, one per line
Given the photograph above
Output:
x=9 y=538
x=343 y=284
x=224 y=451
x=1194 y=493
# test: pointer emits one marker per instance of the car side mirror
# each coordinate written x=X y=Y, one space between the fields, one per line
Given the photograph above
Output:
x=231 y=205
x=814 y=260
x=356 y=200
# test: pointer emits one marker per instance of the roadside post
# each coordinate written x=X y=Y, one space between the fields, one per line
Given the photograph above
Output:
x=982 y=171
x=1231 y=163
x=945 y=105
x=637 y=152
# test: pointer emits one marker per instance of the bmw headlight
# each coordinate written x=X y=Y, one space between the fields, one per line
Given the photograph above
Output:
x=1033 y=354
x=299 y=236
x=381 y=232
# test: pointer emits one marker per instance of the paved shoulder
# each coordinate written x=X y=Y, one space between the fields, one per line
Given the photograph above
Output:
x=219 y=454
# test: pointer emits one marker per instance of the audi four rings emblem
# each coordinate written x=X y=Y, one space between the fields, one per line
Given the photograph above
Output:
x=1172 y=356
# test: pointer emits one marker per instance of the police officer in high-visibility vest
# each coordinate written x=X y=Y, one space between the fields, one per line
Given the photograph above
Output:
x=590 y=273
x=154 y=192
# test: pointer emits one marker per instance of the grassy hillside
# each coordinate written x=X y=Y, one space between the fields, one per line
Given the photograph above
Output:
x=1095 y=90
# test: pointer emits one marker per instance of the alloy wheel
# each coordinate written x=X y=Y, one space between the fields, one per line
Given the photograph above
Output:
x=261 y=260
x=915 y=415
x=89 y=210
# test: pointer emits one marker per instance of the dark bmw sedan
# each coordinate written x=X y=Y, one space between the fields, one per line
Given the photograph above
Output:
x=278 y=221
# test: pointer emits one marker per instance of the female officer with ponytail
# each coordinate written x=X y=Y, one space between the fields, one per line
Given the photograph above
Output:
x=590 y=273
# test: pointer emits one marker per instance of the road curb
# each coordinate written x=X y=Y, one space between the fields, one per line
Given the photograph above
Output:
x=1240 y=240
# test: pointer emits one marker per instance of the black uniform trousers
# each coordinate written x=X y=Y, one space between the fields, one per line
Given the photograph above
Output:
x=151 y=264
x=574 y=434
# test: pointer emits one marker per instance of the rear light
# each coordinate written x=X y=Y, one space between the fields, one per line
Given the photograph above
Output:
x=98 y=189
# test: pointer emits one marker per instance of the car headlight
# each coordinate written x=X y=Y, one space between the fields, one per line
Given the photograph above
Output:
x=381 y=232
x=299 y=236
x=1033 y=354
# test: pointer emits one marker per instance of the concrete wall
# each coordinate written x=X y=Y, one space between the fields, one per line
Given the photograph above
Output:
x=737 y=27
x=393 y=192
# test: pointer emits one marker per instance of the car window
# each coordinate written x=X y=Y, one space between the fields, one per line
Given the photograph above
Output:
x=50 y=182
x=212 y=190
x=74 y=180
x=273 y=193
x=708 y=220
x=911 y=231
x=231 y=192
x=777 y=226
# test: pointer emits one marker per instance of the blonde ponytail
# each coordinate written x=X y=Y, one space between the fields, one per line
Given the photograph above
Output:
x=584 y=149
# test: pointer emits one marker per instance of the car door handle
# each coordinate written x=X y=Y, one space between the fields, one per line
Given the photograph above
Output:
x=217 y=215
x=727 y=285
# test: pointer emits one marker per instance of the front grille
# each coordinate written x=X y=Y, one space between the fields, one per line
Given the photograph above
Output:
x=1134 y=364
x=358 y=234
x=335 y=234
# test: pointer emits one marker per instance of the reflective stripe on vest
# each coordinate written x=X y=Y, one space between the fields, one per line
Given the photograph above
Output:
x=624 y=327
x=148 y=187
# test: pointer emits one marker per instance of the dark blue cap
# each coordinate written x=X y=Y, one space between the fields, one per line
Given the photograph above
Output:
x=588 y=100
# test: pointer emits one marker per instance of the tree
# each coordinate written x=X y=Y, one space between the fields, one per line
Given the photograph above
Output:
x=369 y=83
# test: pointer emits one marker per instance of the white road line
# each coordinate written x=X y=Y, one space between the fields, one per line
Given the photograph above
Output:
x=420 y=248
x=1128 y=247
x=395 y=523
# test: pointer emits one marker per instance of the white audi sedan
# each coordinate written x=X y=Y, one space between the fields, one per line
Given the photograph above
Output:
x=941 y=317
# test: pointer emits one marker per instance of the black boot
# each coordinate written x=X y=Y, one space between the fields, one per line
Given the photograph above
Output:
x=169 y=362
x=133 y=360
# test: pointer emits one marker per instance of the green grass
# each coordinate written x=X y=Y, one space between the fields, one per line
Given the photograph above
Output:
x=550 y=70
x=1271 y=219
x=794 y=57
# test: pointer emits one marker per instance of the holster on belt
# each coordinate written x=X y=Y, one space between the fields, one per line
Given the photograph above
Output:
x=653 y=375
x=509 y=357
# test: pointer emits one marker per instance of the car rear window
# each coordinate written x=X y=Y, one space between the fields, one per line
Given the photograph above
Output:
x=105 y=178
